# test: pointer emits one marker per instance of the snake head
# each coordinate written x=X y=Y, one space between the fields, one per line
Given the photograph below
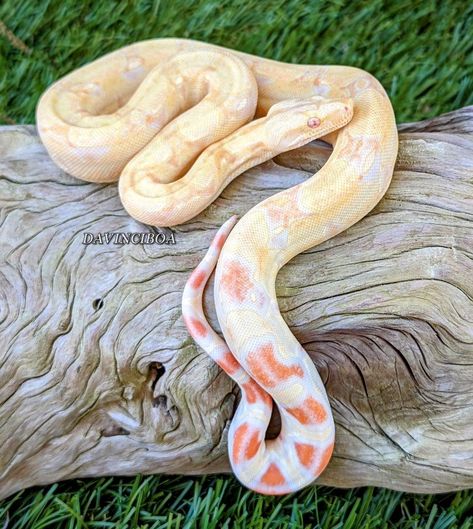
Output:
x=294 y=122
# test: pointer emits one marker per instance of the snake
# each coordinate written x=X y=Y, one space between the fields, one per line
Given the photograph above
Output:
x=174 y=121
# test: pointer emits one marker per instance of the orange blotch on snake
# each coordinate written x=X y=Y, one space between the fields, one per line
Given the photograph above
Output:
x=273 y=477
x=197 y=278
x=305 y=453
x=238 y=442
x=219 y=241
x=196 y=327
x=266 y=368
x=236 y=281
x=253 y=445
x=311 y=411
x=325 y=459
x=229 y=363
x=245 y=446
x=254 y=393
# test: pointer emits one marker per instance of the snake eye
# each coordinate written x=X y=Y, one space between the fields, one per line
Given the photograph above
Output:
x=313 y=122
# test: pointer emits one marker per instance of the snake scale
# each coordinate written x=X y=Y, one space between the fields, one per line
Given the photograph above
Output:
x=174 y=121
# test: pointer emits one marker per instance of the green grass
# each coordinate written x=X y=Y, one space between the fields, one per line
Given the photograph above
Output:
x=221 y=503
x=423 y=56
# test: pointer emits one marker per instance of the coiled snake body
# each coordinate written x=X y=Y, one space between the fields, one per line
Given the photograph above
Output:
x=172 y=120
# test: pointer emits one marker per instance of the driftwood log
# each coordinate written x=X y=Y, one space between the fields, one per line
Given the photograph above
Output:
x=98 y=375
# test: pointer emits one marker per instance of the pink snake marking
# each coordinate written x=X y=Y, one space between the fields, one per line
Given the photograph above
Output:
x=254 y=460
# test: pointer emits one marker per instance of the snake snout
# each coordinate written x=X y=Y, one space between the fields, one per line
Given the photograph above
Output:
x=337 y=111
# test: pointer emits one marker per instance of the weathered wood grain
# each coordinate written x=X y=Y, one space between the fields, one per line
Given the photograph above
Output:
x=99 y=376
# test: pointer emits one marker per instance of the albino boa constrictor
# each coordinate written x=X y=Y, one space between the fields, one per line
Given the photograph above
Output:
x=172 y=120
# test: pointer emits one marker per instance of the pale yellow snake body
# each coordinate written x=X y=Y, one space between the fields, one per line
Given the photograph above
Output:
x=173 y=120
